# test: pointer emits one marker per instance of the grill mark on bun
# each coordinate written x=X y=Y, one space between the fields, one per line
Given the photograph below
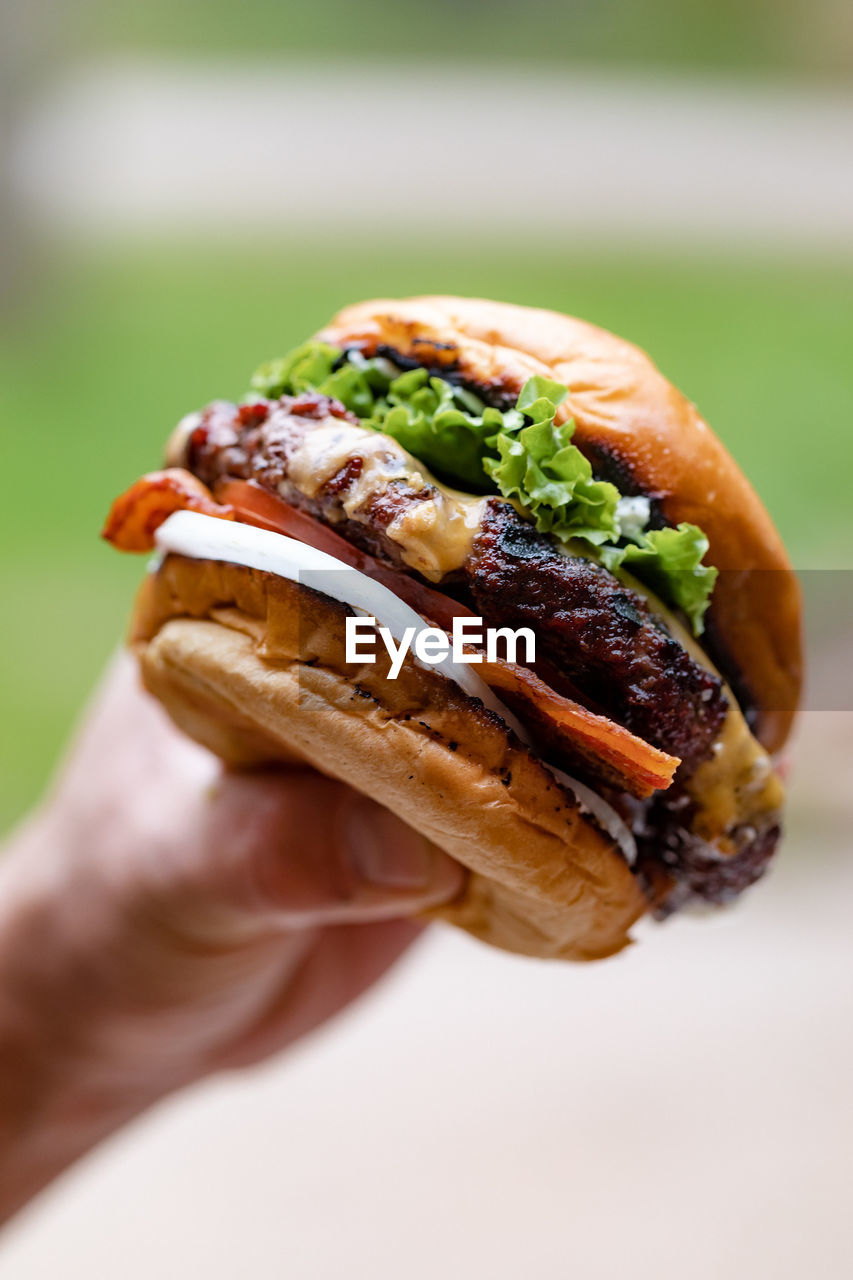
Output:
x=499 y=393
x=615 y=467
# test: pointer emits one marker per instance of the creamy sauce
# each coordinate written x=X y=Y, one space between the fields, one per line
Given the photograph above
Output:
x=435 y=536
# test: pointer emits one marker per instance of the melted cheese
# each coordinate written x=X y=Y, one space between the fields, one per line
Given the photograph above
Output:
x=435 y=534
x=737 y=785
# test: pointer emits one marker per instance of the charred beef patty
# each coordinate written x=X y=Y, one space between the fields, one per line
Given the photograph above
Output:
x=599 y=633
x=256 y=441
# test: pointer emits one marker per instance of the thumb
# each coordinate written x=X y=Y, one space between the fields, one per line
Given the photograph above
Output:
x=318 y=853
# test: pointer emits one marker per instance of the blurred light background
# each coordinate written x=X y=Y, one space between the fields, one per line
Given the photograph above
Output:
x=190 y=186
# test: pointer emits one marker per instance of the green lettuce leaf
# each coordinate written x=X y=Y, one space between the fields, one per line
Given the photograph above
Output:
x=521 y=453
x=304 y=369
x=670 y=561
x=445 y=427
x=316 y=366
x=551 y=479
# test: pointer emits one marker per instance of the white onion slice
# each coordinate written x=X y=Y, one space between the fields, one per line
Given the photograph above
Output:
x=604 y=813
x=202 y=537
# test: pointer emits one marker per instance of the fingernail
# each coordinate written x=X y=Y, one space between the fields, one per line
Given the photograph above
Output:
x=384 y=851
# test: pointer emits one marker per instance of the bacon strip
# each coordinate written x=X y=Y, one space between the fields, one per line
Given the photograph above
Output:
x=136 y=515
x=610 y=752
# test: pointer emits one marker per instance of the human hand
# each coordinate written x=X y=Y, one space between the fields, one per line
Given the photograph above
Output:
x=162 y=918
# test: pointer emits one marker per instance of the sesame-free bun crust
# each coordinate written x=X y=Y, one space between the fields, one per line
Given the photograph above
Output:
x=252 y=666
x=634 y=423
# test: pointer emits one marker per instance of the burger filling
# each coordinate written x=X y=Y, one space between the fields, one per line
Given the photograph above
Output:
x=332 y=445
x=598 y=636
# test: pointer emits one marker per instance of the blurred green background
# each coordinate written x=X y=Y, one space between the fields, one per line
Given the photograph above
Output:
x=104 y=344
x=804 y=38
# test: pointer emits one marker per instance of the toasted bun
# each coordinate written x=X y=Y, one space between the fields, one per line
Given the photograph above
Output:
x=632 y=421
x=252 y=666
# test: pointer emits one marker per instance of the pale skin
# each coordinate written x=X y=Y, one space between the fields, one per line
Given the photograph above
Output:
x=162 y=919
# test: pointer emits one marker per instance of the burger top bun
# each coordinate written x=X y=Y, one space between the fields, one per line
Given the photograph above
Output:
x=637 y=429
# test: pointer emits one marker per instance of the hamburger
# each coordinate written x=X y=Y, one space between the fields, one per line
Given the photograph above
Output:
x=434 y=459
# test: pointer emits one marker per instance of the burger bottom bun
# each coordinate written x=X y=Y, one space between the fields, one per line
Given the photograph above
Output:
x=252 y=666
